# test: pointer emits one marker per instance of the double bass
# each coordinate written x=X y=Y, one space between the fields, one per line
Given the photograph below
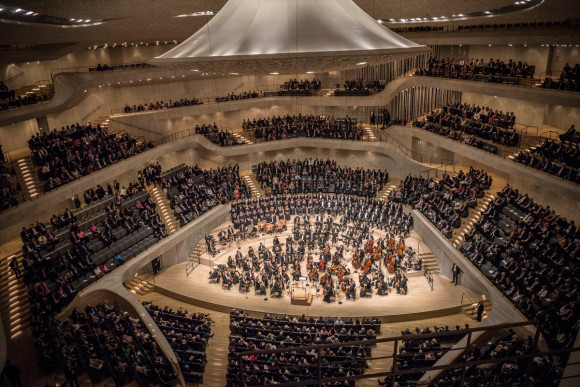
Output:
x=369 y=249
x=401 y=247
x=377 y=254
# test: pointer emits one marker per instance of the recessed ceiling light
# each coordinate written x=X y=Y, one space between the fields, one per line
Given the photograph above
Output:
x=17 y=10
x=310 y=72
x=29 y=13
x=274 y=73
x=361 y=63
x=87 y=21
x=487 y=12
x=460 y=15
x=391 y=19
x=80 y=21
x=235 y=73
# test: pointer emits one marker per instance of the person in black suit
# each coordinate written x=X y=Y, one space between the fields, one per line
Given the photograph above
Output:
x=456 y=271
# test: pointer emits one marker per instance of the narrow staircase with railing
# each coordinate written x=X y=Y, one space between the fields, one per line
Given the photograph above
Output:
x=164 y=209
x=28 y=178
x=468 y=223
x=251 y=182
x=139 y=286
x=14 y=304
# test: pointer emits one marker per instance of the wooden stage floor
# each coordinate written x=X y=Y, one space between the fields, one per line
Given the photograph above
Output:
x=420 y=302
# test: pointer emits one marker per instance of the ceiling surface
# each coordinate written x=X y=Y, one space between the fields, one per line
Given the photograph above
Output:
x=152 y=20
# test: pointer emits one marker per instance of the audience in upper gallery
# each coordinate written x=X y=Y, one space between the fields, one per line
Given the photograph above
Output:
x=294 y=84
x=104 y=342
x=188 y=335
x=569 y=79
x=219 y=137
x=21 y=100
x=160 y=105
x=75 y=151
x=318 y=176
x=236 y=97
x=151 y=174
x=361 y=84
x=446 y=201
x=545 y=371
x=469 y=123
x=75 y=249
x=494 y=71
x=531 y=254
x=279 y=128
x=250 y=334
x=193 y=191
x=556 y=158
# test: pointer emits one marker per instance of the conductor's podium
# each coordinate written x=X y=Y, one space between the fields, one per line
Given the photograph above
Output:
x=301 y=296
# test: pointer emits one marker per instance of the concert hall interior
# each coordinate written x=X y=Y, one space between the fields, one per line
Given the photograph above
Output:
x=289 y=192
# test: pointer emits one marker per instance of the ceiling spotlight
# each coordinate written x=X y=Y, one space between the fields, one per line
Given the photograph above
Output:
x=361 y=63
x=73 y=19
x=29 y=13
x=18 y=10
x=489 y=45
x=275 y=73
x=460 y=15
x=391 y=19
x=380 y=21
x=487 y=12
x=80 y=21
x=87 y=21
x=435 y=18
x=34 y=14
x=310 y=72
x=232 y=74
x=509 y=44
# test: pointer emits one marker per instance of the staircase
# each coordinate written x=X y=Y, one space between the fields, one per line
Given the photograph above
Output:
x=238 y=135
x=473 y=217
x=251 y=182
x=14 y=305
x=164 y=210
x=386 y=191
x=139 y=286
x=429 y=262
x=28 y=178
x=471 y=309
x=370 y=133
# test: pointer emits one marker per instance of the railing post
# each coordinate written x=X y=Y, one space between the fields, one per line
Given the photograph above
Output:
x=465 y=354
x=319 y=368
x=241 y=370
x=394 y=372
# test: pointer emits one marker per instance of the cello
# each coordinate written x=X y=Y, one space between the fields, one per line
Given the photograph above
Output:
x=356 y=261
x=367 y=266
x=341 y=273
x=324 y=278
x=377 y=254
x=369 y=249
x=391 y=263
x=313 y=275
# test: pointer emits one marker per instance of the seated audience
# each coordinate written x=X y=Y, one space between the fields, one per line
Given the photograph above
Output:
x=318 y=176
x=193 y=191
x=159 y=105
x=279 y=128
x=219 y=137
x=446 y=201
x=556 y=158
x=569 y=79
x=495 y=71
x=75 y=151
x=531 y=255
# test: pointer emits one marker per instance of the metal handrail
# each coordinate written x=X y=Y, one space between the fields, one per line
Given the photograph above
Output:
x=466 y=296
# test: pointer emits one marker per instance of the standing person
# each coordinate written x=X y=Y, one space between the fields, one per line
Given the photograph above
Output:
x=12 y=373
x=70 y=372
x=15 y=267
x=480 y=309
x=456 y=271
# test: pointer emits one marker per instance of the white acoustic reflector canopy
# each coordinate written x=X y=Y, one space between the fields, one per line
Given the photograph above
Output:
x=282 y=35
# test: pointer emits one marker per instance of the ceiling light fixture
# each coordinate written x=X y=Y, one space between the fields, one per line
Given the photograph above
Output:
x=361 y=63
x=276 y=73
x=487 y=12
x=29 y=13
x=18 y=10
